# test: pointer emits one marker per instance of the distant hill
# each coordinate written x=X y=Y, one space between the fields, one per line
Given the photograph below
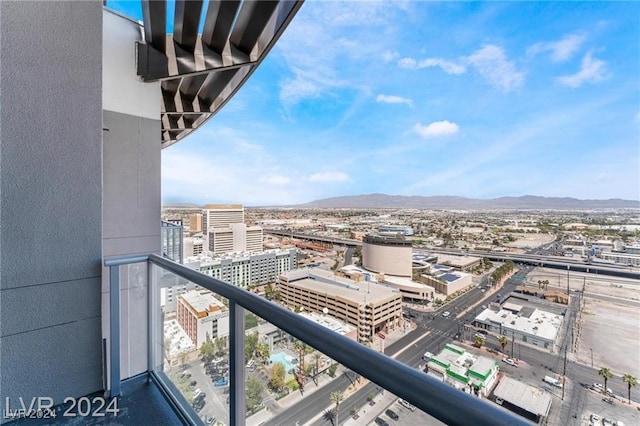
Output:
x=529 y=202
x=180 y=206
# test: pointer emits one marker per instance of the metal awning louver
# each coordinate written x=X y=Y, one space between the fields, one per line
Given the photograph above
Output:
x=200 y=72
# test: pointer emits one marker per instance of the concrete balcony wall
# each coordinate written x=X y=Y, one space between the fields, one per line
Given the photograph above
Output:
x=131 y=183
x=50 y=199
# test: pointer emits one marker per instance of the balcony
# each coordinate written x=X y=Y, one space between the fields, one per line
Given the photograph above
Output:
x=178 y=400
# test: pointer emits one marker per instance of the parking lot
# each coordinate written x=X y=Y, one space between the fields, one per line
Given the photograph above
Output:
x=616 y=413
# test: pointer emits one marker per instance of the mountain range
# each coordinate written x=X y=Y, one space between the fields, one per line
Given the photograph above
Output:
x=528 y=202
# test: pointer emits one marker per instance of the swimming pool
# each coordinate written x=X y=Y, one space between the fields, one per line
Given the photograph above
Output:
x=288 y=361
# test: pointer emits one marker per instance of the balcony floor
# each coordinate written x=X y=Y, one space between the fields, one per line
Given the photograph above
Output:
x=141 y=403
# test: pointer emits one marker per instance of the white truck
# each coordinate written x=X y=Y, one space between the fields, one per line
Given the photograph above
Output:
x=555 y=382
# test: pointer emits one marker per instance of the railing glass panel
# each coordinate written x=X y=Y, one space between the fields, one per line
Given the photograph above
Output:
x=191 y=341
x=363 y=374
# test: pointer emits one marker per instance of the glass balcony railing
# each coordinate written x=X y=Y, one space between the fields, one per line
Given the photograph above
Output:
x=224 y=355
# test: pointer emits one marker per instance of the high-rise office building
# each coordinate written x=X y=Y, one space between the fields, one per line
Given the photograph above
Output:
x=226 y=232
x=221 y=215
x=195 y=223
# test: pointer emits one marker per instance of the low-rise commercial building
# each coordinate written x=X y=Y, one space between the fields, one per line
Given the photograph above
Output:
x=525 y=400
x=366 y=305
x=463 y=370
x=461 y=263
x=447 y=281
x=524 y=324
x=202 y=316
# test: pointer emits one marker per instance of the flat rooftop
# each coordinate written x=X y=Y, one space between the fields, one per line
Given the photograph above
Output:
x=202 y=301
x=319 y=280
x=539 y=323
x=457 y=261
x=329 y=322
x=529 y=398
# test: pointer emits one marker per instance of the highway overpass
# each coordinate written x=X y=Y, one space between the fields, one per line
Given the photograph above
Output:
x=574 y=265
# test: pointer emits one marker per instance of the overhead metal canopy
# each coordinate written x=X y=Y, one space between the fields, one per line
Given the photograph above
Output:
x=200 y=72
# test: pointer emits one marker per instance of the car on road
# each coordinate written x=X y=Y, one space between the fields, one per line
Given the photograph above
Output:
x=598 y=387
x=407 y=404
x=392 y=415
x=381 y=422
x=510 y=361
x=446 y=314
x=427 y=356
x=595 y=419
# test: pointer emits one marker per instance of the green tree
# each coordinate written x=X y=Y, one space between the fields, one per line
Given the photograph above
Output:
x=606 y=374
x=220 y=344
x=336 y=398
x=276 y=376
x=250 y=320
x=479 y=341
x=263 y=352
x=503 y=342
x=250 y=343
x=332 y=369
x=207 y=351
x=254 y=392
x=631 y=382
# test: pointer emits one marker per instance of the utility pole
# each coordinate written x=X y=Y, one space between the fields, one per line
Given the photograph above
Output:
x=513 y=339
x=564 y=368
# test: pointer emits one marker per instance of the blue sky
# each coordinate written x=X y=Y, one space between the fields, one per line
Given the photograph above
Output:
x=474 y=99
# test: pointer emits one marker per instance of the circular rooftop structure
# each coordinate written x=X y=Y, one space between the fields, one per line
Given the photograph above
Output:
x=387 y=255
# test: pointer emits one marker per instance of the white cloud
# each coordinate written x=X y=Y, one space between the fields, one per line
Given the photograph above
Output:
x=329 y=177
x=391 y=99
x=592 y=70
x=561 y=50
x=491 y=62
x=447 y=66
x=319 y=42
x=437 y=128
x=389 y=56
x=276 y=180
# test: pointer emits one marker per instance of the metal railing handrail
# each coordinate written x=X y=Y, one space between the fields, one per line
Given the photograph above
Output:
x=434 y=397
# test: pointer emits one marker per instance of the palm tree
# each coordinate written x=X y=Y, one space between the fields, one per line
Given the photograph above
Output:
x=630 y=381
x=606 y=374
x=479 y=341
x=337 y=398
x=503 y=341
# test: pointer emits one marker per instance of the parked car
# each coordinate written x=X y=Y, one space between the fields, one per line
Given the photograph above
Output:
x=221 y=382
x=407 y=404
x=381 y=422
x=499 y=400
x=446 y=314
x=427 y=356
x=392 y=415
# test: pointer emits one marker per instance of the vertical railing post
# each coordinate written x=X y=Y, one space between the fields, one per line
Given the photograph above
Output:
x=114 y=332
x=151 y=317
x=237 y=406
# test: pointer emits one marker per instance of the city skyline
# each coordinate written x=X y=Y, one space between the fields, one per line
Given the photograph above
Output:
x=479 y=100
